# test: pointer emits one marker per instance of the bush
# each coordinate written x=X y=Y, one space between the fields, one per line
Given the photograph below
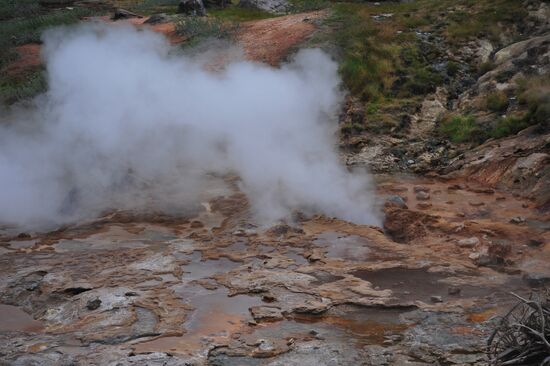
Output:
x=496 y=101
x=507 y=126
x=535 y=94
x=462 y=129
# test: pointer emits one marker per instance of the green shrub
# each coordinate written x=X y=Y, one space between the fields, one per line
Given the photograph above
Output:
x=496 y=101
x=462 y=129
x=507 y=126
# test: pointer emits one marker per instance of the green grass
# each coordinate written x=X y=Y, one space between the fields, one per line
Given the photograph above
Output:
x=23 y=21
x=507 y=126
x=236 y=14
x=484 y=19
x=300 y=6
x=149 y=7
x=461 y=129
x=381 y=59
x=200 y=28
x=10 y=9
x=27 y=86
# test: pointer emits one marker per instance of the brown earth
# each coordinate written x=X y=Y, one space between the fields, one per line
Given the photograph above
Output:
x=266 y=40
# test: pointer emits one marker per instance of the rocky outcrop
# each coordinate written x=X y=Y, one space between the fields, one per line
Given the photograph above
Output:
x=520 y=164
x=191 y=7
x=274 y=6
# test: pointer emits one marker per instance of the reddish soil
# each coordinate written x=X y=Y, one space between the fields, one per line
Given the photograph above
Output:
x=266 y=40
x=29 y=58
x=270 y=40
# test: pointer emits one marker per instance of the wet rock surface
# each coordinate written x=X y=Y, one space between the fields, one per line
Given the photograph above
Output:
x=133 y=289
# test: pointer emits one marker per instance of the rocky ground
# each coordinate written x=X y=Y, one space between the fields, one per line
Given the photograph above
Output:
x=463 y=227
x=214 y=288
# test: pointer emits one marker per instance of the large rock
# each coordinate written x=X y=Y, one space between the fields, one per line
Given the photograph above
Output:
x=274 y=6
x=124 y=14
x=191 y=7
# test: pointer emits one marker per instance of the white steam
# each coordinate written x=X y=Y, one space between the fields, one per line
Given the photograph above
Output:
x=126 y=124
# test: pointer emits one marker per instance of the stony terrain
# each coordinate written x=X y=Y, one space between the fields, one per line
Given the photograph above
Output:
x=463 y=224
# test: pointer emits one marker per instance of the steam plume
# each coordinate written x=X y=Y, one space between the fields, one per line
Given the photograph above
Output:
x=128 y=124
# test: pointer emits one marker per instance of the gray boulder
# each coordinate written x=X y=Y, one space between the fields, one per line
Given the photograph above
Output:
x=191 y=7
x=273 y=6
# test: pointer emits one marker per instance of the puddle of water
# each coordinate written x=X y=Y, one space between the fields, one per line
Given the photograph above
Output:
x=296 y=257
x=215 y=318
x=367 y=325
x=16 y=320
x=194 y=256
x=324 y=277
x=349 y=247
x=22 y=244
x=240 y=246
x=208 y=268
x=84 y=245
x=264 y=249
x=417 y=284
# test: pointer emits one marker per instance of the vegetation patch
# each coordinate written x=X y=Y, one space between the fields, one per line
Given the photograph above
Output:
x=199 y=28
x=461 y=129
x=22 y=22
x=496 y=101
x=237 y=14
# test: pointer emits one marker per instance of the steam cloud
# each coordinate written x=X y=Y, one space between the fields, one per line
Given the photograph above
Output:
x=128 y=124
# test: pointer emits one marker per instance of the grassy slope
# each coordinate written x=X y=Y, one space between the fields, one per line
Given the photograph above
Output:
x=22 y=22
x=383 y=64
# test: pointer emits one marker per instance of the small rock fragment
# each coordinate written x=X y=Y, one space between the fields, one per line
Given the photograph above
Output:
x=422 y=196
x=454 y=290
x=468 y=242
x=421 y=189
x=266 y=313
x=436 y=299
x=396 y=201
x=93 y=304
x=124 y=14
x=423 y=205
x=517 y=220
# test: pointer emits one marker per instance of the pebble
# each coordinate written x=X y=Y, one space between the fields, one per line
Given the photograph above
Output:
x=468 y=242
x=454 y=290
x=517 y=220
x=423 y=196
x=436 y=299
